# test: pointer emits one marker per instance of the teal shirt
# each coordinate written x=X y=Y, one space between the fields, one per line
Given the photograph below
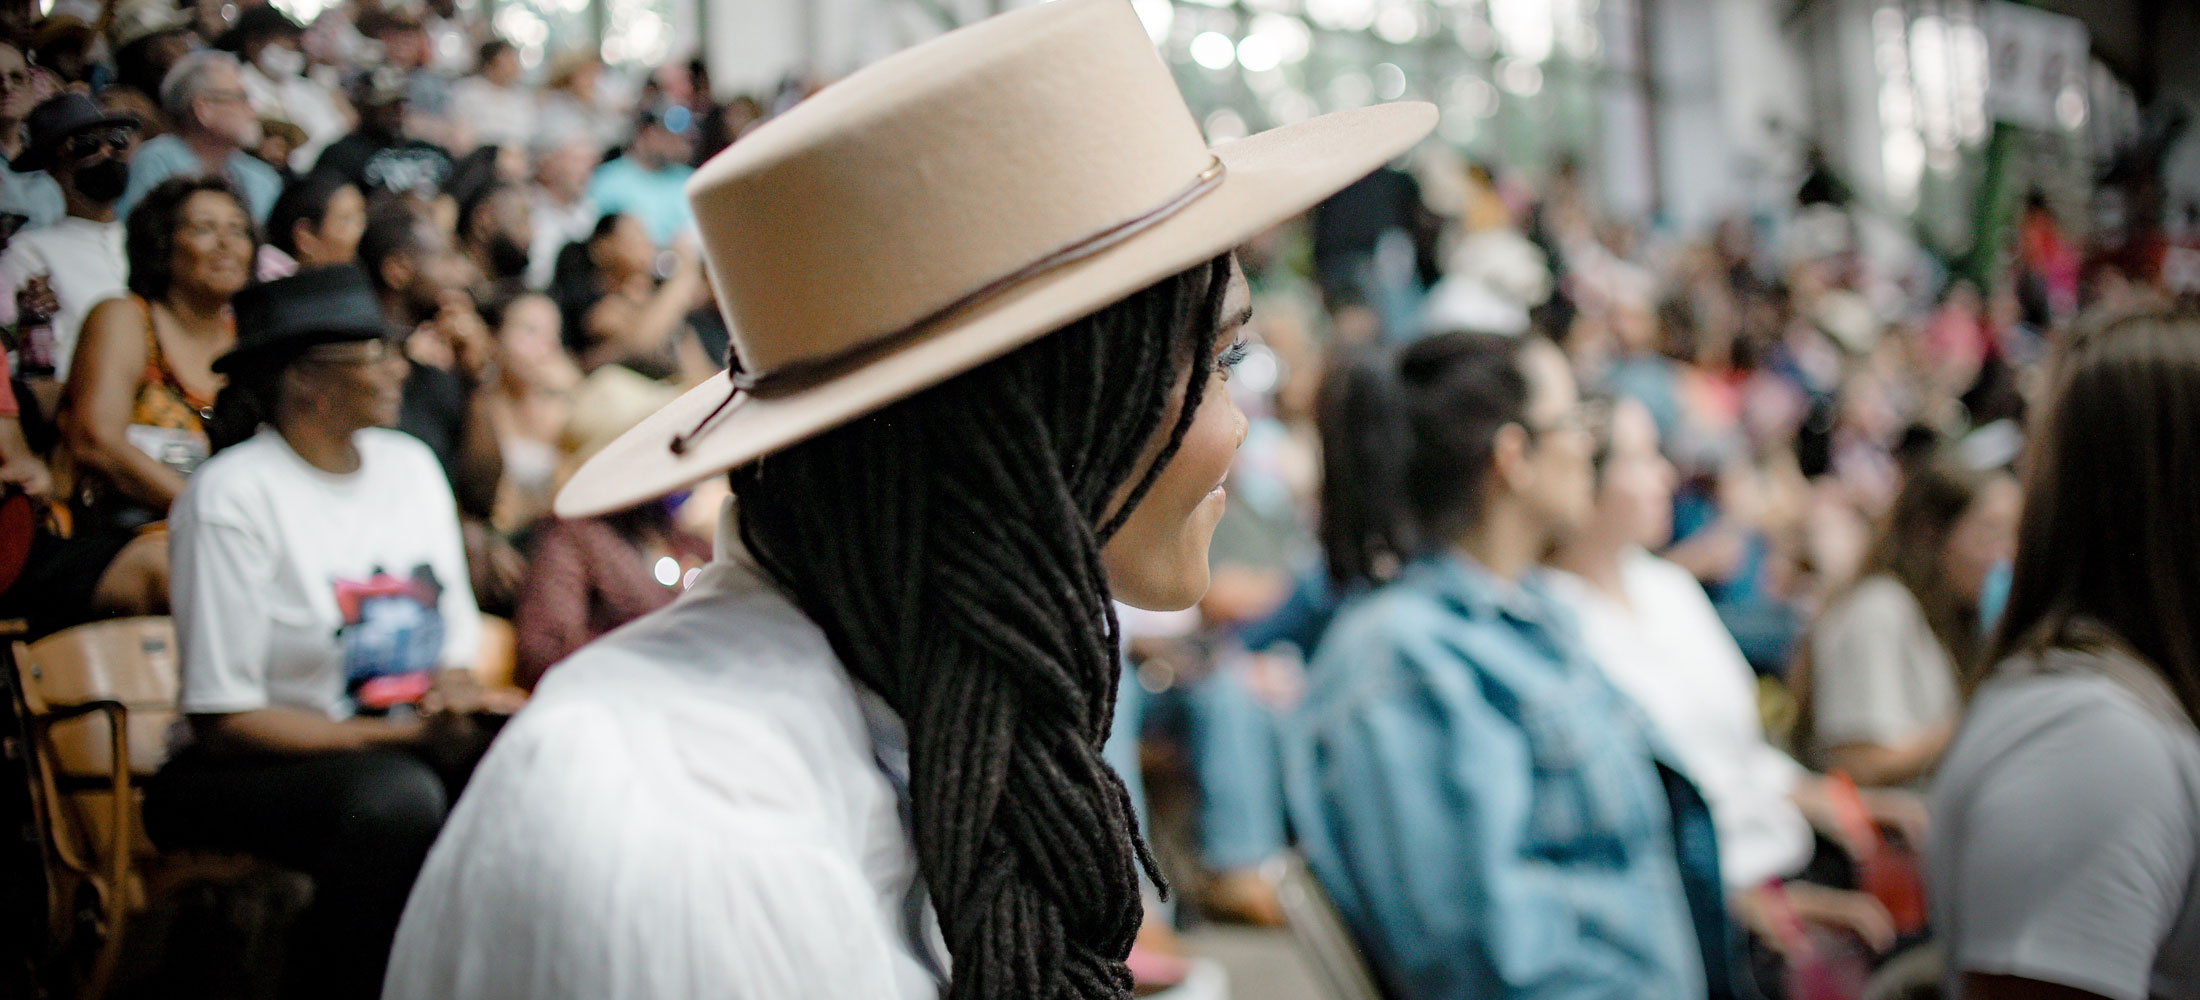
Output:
x=657 y=197
x=162 y=157
x=1489 y=813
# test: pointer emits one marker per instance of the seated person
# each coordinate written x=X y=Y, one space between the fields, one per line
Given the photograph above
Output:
x=130 y=415
x=588 y=576
x=1490 y=815
x=319 y=577
x=1652 y=629
x=1881 y=689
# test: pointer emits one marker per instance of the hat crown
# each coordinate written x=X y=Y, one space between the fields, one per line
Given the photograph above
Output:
x=934 y=173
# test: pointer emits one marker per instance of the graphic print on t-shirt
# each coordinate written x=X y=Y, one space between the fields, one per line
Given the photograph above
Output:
x=391 y=637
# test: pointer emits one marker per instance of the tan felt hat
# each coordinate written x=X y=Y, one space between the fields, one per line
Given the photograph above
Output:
x=949 y=204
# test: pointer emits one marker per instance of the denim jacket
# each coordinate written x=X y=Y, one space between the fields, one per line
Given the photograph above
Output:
x=1489 y=814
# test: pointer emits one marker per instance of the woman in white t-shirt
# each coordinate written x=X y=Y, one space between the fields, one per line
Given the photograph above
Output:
x=2065 y=860
x=1879 y=685
x=318 y=575
x=1652 y=629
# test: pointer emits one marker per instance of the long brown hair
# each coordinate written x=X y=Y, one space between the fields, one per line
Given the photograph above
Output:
x=1911 y=545
x=2110 y=536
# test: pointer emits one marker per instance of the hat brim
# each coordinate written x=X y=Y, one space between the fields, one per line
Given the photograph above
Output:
x=243 y=356
x=39 y=158
x=1269 y=178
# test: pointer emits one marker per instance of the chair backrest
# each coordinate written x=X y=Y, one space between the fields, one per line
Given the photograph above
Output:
x=1320 y=931
x=131 y=661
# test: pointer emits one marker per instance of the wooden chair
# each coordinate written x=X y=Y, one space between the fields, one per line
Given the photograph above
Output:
x=1321 y=933
x=100 y=700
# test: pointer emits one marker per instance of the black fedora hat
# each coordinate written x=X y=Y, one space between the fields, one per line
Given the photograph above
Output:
x=319 y=305
x=57 y=118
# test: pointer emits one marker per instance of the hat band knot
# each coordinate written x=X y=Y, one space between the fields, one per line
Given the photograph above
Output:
x=801 y=375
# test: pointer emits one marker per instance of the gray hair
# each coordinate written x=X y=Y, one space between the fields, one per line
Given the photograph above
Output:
x=181 y=88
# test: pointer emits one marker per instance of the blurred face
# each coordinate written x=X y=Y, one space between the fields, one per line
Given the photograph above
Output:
x=626 y=250
x=1635 y=500
x=352 y=385
x=509 y=214
x=336 y=240
x=1984 y=537
x=529 y=338
x=1553 y=478
x=564 y=171
x=223 y=109
x=213 y=252
x=16 y=96
x=1158 y=560
x=502 y=70
x=665 y=145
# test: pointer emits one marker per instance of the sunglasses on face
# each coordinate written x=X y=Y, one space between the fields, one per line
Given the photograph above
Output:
x=85 y=144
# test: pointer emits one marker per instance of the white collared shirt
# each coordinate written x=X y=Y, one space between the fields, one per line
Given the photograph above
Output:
x=1667 y=649
x=702 y=803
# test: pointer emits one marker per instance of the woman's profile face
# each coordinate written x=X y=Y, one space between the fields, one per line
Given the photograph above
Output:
x=1158 y=559
x=1986 y=535
x=1636 y=499
x=342 y=223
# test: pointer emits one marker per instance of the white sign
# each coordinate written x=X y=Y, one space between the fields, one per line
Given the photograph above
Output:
x=2036 y=66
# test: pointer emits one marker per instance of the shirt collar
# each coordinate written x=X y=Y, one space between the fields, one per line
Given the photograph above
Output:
x=1479 y=593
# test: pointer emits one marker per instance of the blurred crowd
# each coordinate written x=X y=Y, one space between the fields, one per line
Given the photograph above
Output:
x=1804 y=431
x=524 y=228
x=1807 y=433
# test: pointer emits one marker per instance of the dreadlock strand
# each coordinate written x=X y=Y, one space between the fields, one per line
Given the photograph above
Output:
x=950 y=548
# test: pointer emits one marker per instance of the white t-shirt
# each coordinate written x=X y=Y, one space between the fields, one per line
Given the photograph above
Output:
x=1667 y=649
x=2066 y=833
x=297 y=587
x=1878 y=675
x=700 y=804
x=82 y=261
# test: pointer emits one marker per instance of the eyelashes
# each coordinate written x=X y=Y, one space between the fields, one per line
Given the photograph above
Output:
x=1232 y=356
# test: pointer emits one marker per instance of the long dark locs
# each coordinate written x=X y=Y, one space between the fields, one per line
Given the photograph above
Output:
x=950 y=547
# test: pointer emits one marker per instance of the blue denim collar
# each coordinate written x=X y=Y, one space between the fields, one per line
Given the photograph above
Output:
x=1458 y=579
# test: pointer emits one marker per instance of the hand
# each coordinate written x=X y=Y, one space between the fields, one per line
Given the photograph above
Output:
x=1838 y=909
x=456 y=692
x=35 y=302
x=471 y=344
x=28 y=474
x=1902 y=812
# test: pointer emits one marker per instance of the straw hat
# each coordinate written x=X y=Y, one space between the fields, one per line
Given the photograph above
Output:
x=949 y=204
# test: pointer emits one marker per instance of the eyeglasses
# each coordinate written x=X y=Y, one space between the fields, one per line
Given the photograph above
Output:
x=1591 y=415
x=226 y=96
x=355 y=352
x=84 y=144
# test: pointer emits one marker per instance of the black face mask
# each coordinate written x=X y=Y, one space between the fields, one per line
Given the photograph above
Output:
x=104 y=181
x=507 y=259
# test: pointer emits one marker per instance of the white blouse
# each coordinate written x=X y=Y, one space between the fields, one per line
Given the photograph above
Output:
x=703 y=803
x=1667 y=649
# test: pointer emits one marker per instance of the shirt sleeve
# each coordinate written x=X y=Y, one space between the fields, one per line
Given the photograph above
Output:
x=219 y=568
x=1859 y=658
x=1419 y=814
x=2072 y=852
x=582 y=864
